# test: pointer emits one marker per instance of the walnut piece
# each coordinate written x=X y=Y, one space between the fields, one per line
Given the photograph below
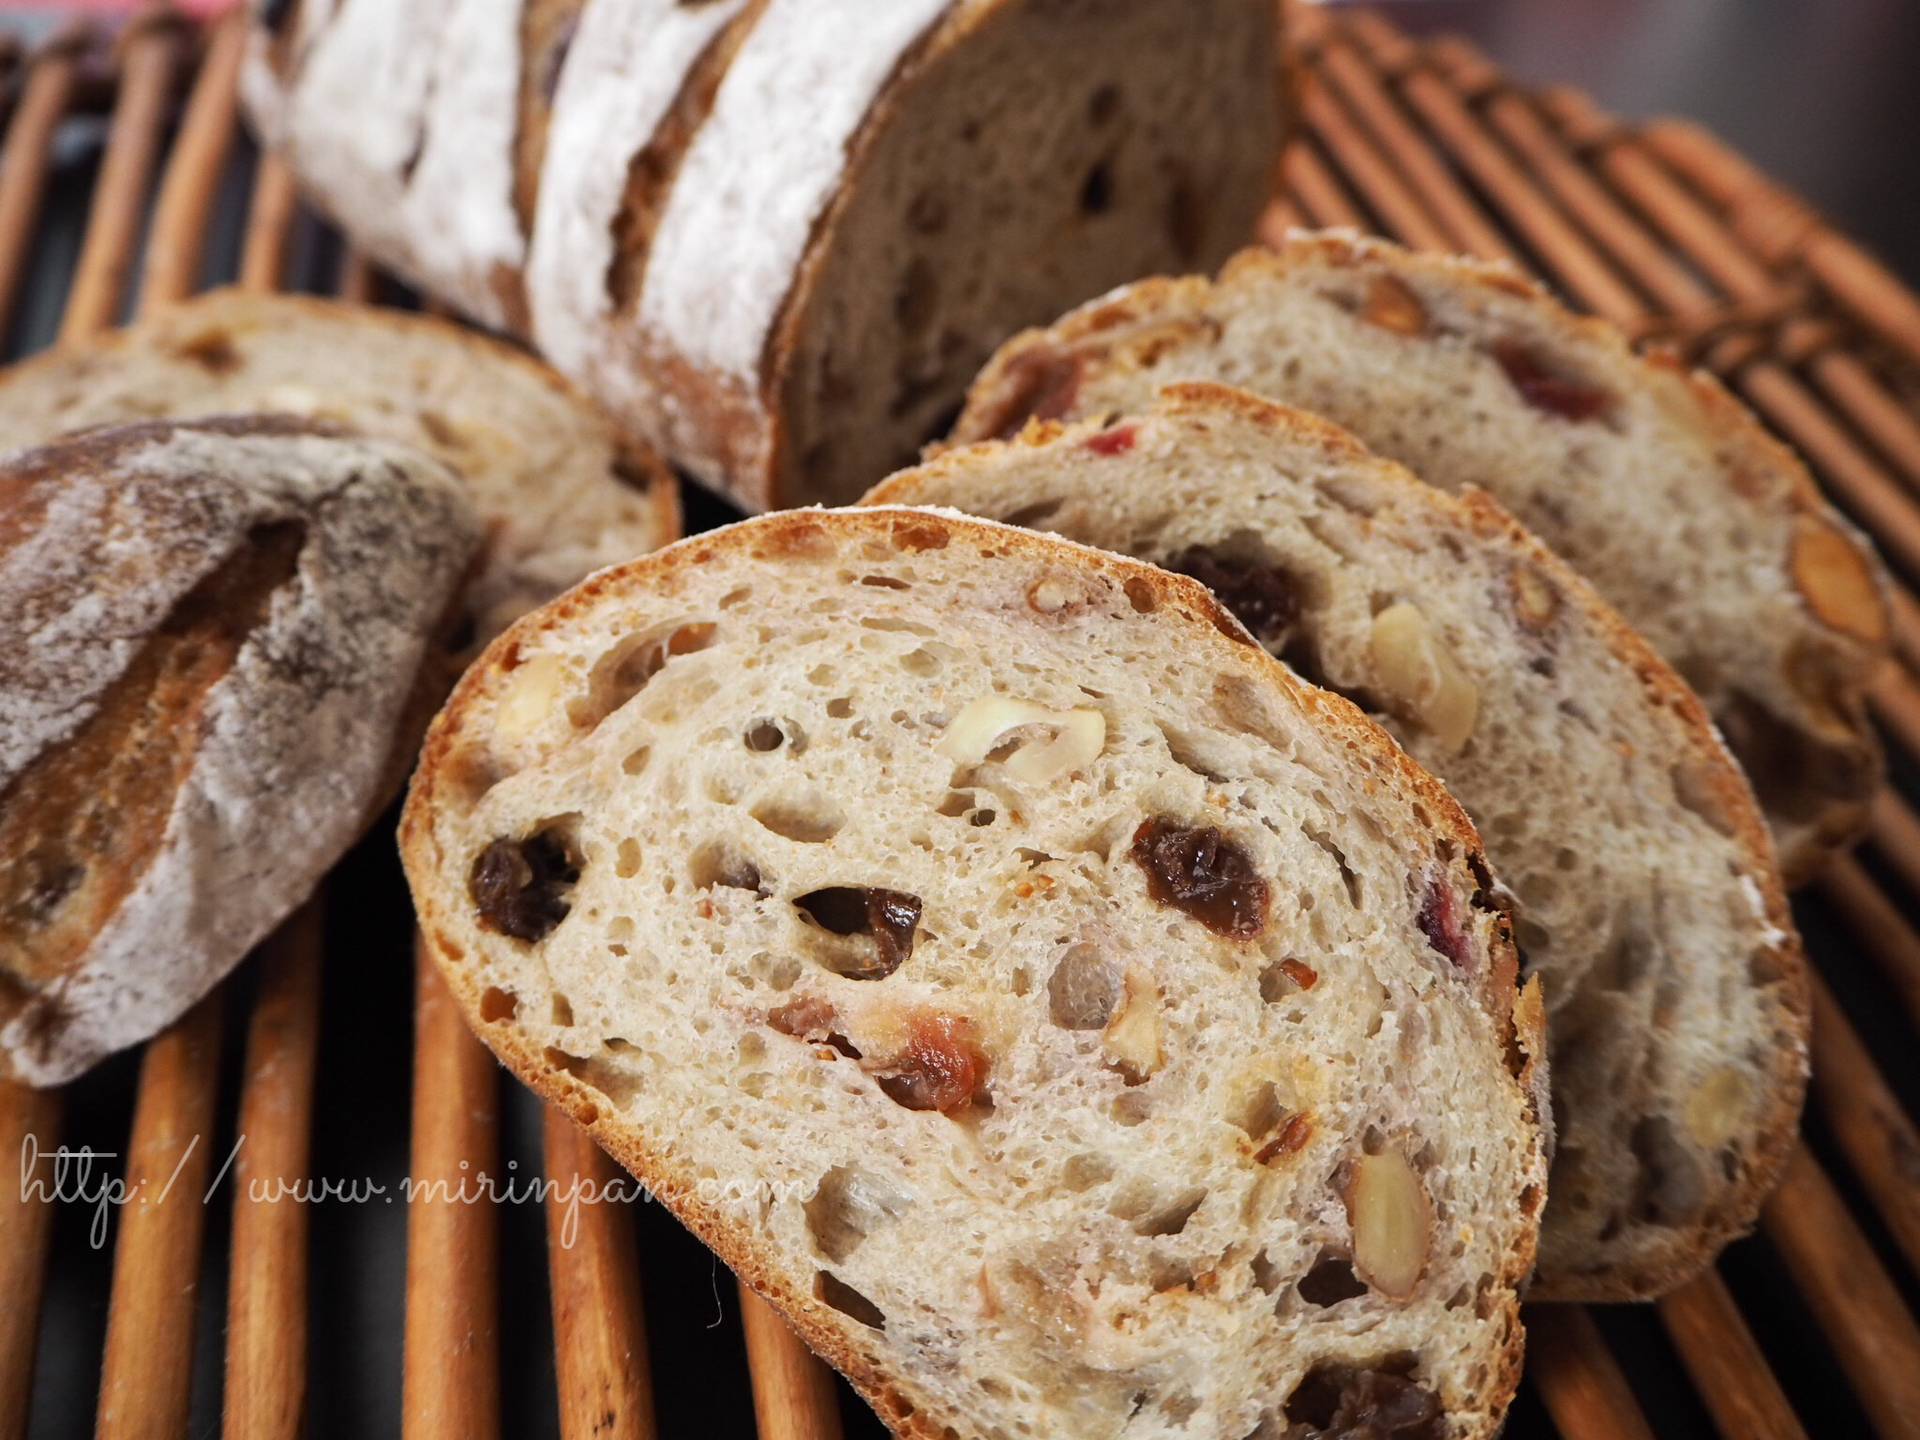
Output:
x=1423 y=684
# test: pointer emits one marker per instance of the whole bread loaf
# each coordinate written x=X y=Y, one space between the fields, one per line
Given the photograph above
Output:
x=560 y=491
x=1073 y=1022
x=1645 y=892
x=1706 y=533
x=777 y=236
x=219 y=645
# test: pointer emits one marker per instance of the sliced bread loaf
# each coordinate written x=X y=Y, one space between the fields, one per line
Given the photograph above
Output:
x=1646 y=895
x=560 y=490
x=1702 y=530
x=779 y=236
x=220 y=643
x=1074 y=1023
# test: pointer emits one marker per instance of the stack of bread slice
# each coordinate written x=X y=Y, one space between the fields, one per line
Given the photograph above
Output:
x=1021 y=963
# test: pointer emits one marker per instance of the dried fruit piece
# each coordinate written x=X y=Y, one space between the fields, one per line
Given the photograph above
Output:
x=1535 y=601
x=941 y=1068
x=529 y=697
x=1423 y=683
x=1042 y=385
x=1719 y=1108
x=1439 y=921
x=1292 y=1138
x=1262 y=597
x=1116 y=441
x=1342 y=1402
x=1392 y=306
x=1132 y=1039
x=519 y=886
x=1197 y=870
x=1836 y=580
x=1560 y=395
x=1392 y=1223
x=892 y=917
x=1079 y=737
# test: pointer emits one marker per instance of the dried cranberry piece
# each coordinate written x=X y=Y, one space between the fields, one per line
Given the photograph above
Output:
x=891 y=916
x=1544 y=390
x=1342 y=1402
x=519 y=885
x=1199 y=871
x=1440 y=921
x=1264 y=598
x=941 y=1069
x=812 y=1019
x=1043 y=386
x=1113 y=442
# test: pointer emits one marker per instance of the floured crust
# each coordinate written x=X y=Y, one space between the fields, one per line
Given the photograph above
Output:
x=223 y=632
x=1292 y=509
x=506 y=988
x=1779 y=634
x=561 y=491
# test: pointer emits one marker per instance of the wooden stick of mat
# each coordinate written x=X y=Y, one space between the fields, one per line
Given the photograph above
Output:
x=793 y=1390
x=1578 y=1378
x=24 y=162
x=266 y=1383
x=26 y=1209
x=451 y=1373
x=171 y=267
x=1872 y=1334
x=1312 y=187
x=1867 y=287
x=1721 y=1355
x=1355 y=155
x=1884 y=934
x=1895 y=832
x=263 y=254
x=1865 y=1118
x=147 y=1376
x=599 y=1330
x=150 y=52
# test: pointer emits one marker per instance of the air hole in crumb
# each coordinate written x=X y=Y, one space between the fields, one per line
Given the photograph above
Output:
x=765 y=735
x=562 y=1012
x=623 y=672
x=812 y=820
x=884 y=582
x=848 y=1205
x=636 y=761
x=1082 y=1172
x=1131 y=1108
x=841 y=708
x=1265 y=1273
x=1140 y=594
x=626 y=860
x=850 y=1302
x=497 y=1004
x=922 y=662
x=1171 y=1219
x=1035 y=514
x=1330 y=1281
x=1096 y=192
x=718 y=863
x=1084 y=990
x=872 y=929
x=1261 y=1112
x=1104 y=105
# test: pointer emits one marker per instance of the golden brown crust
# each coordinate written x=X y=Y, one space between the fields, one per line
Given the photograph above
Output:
x=671 y=1180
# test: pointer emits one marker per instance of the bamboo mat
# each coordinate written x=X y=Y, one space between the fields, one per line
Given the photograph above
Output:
x=125 y=182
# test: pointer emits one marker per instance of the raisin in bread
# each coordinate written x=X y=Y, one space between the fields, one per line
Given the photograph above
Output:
x=777 y=236
x=1646 y=895
x=1702 y=530
x=1074 y=1023
x=562 y=492
x=220 y=643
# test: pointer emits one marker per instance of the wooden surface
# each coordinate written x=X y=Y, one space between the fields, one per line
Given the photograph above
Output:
x=1657 y=227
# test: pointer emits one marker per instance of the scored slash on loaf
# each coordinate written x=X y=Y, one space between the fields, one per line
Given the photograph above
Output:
x=1645 y=891
x=1066 y=1017
x=776 y=236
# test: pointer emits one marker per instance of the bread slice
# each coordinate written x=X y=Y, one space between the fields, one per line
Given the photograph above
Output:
x=561 y=491
x=1703 y=531
x=1646 y=895
x=1074 y=1023
x=220 y=643
x=779 y=236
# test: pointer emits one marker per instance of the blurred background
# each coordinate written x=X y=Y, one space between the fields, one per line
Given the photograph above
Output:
x=1820 y=93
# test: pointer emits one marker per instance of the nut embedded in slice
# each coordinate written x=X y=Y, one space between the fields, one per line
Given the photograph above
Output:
x=1392 y=1223
x=1425 y=685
